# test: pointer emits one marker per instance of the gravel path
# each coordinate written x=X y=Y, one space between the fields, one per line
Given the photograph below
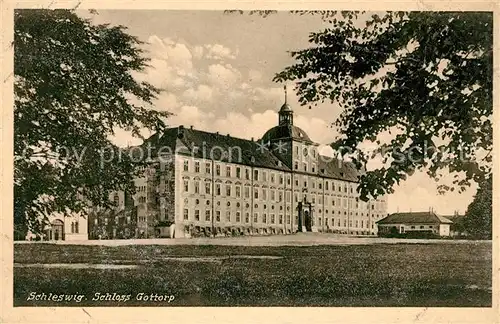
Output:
x=300 y=239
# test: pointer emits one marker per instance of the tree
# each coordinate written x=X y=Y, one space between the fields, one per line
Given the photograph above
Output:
x=424 y=77
x=73 y=87
x=478 y=217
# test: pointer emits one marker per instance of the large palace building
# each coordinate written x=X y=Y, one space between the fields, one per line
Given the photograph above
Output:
x=210 y=184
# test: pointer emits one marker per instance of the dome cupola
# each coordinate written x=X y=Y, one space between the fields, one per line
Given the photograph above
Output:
x=286 y=113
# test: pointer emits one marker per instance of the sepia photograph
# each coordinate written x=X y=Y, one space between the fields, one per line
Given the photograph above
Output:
x=252 y=158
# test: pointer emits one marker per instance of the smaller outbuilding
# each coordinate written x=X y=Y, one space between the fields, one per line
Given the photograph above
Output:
x=414 y=224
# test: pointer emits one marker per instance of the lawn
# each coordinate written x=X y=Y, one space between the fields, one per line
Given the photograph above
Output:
x=359 y=275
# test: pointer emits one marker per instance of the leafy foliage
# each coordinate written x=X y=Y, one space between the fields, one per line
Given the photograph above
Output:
x=73 y=87
x=478 y=217
x=424 y=77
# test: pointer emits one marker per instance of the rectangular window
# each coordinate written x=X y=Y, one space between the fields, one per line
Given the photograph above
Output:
x=217 y=189
x=264 y=176
x=256 y=217
x=273 y=195
x=313 y=168
x=228 y=171
x=228 y=190
x=207 y=168
x=196 y=187
x=313 y=199
x=288 y=180
x=247 y=174
x=297 y=182
x=288 y=219
x=281 y=179
x=247 y=192
x=207 y=215
x=247 y=218
x=238 y=217
x=288 y=196
x=238 y=172
x=256 y=193
x=326 y=185
x=281 y=219
x=280 y=196
x=186 y=165
x=186 y=186
x=264 y=218
x=272 y=177
x=264 y=194
x=296 y=150
x=273 y=220
x=197 y=167
x=217 y=169
x=217 y=215
x=256 y=175
x=238 y=191
x=208 y=186
x=197 y=215
x=296 y=165
x=304 y=166
x=228 y=216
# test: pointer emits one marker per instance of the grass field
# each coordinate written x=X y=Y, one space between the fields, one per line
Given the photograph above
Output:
x=370 y=275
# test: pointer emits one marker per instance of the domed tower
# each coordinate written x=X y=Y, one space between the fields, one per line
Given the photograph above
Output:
x=290 y=143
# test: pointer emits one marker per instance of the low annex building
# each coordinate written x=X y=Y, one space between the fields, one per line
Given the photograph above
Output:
x=414 y=222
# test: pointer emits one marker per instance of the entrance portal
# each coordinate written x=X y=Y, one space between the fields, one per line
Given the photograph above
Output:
x=308 y=221
x=305 y=221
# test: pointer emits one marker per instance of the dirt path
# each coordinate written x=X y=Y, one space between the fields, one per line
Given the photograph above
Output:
x=300 y=239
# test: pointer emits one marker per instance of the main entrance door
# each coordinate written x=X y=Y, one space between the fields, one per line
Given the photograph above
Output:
x=308 y=220
x=305 y=216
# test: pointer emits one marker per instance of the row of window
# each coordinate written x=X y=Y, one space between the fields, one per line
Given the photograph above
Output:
x=272 y=194
x=305 y=166
x=238 y=204
x=273 y=178
x=256 y=206
x=237 y=217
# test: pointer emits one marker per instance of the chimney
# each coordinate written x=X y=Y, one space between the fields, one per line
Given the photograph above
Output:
x=191 y=127
x=228 y=135
x=217 y=133
x=252 y=139
x=180 y=131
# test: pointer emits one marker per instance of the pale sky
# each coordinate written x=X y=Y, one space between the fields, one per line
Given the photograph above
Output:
x=217 y=72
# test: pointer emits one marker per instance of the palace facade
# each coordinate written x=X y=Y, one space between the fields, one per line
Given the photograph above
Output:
x=210 y=184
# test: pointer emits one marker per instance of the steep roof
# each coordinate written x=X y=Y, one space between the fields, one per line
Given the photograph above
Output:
x=337 y=169
x=225 y=148
x=414 y=218
x=201 y=144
